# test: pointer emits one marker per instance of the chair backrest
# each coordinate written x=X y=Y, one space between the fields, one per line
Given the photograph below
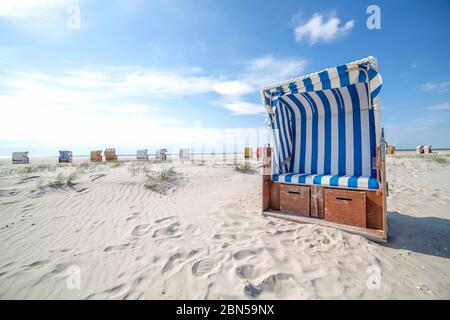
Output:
x=327 y=132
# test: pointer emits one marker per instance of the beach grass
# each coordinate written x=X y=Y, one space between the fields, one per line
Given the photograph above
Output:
x=245 y=167
x=159 y=180
x=439 y=158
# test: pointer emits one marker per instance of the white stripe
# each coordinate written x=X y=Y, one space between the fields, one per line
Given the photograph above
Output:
x=375 y=82
x=343 y=181
x=363 y=182
x=334 y=77
x=365 y=137
x=321 y=132
x=325 y=180
x=308 y=132
x=310 y=179
x=334 y=132
x=294 y=178
x=353 y=73
x=349 y=148
x=297 y=133
x=317 y=84
x=300 y=86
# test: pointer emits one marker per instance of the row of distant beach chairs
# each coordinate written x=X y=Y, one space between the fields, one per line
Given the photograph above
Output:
x=419 y=149
x=109 y=154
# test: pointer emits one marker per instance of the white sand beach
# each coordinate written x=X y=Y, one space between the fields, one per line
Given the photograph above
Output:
x=200 y=235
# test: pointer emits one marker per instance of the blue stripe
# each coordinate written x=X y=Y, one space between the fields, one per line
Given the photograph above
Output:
x=373 y=145
x=375 y=92
x=293 y=146
x=314 y=133
x=357 y=144
x=362 y=76
x=334 y=181
x=327 y=137
x=373 y=183
x=302 y=178
x=275 y=178
x=282 y=155
x=325 y=79
x=343 y=75
x=285 y=131
x=288 y=177
x=372 y=73
x=352 y=182
x=341 y=132
x=308 y=84
x=293 y=87
x=303 y=125
x=318 y=179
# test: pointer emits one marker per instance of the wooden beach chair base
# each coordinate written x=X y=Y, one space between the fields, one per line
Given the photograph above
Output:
x=356 y=211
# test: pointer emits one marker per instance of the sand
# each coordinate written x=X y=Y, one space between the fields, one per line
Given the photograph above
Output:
x=201 y=236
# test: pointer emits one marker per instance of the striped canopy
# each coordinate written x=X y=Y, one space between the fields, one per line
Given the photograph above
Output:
x=324 y=123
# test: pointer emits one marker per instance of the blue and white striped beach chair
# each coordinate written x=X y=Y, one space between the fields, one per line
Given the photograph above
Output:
x=326 y=134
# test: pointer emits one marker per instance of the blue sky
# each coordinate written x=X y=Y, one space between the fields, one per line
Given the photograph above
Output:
x=144 y=73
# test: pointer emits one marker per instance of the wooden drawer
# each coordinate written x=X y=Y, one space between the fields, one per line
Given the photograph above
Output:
x=295 y=199
x=317 y=202
x=345 y=207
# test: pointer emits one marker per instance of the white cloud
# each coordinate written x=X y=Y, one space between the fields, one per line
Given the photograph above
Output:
x=440 y=106
x=318 y=29
x=28 y=8
x=233 y=88
x=244 y=108
x=267 y=70
x=47 y=18
x=436 y=87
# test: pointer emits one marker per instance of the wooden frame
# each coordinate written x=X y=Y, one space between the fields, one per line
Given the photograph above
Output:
x=374 y=224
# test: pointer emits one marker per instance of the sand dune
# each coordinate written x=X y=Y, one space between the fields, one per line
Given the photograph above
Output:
x=202 y=237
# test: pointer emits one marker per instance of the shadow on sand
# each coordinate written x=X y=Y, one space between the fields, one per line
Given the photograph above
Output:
x=427 y=235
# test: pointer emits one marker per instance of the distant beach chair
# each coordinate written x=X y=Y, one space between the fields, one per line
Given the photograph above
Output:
x=96 y=156
x=427 y=149
x=328 y=161
x=110 y=154
x=390 y=150
x=65 y=156
x=142 y=154
x=20 y=157
x=185 y=154
x=161 y=154
x=248 y=152
x=420 y=149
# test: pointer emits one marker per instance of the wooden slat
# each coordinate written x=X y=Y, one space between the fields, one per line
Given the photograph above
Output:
x=275 y=196
x=374 y=235
x=317 y=202
x=374 y=203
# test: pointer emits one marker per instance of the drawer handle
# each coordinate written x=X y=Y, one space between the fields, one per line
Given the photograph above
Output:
x=343 y=199
x=293 y=192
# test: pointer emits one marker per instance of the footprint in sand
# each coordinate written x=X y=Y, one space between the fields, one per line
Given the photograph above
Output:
x=203 y=267
x=169 y=231
x=119 y=247
x=220 y=236
x=244 y=271
x=135 y=215
x=141 y=230
x=164 y=219
x=241 y=254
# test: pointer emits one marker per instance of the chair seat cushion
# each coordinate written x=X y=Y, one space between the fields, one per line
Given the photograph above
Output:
x=327 y=180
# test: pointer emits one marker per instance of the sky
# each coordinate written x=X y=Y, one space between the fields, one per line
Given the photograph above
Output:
x=86 y=74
